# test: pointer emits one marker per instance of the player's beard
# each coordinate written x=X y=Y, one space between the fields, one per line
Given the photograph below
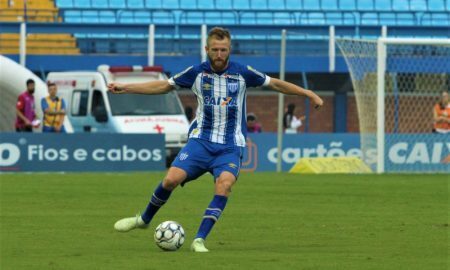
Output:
x=218 y=65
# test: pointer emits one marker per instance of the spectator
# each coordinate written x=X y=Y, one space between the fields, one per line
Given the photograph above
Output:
x=290 y=122
x=252 y=124
x=441 y=114
x=54 y=110
x=26 y=115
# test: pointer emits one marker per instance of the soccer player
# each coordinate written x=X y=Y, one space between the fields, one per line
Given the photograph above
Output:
x=216 y=136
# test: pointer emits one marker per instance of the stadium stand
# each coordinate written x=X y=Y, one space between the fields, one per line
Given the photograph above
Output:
x=230 y=13
x=46 y=44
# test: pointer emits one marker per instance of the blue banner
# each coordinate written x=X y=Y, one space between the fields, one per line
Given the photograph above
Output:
x=23 y=152
x=403 y=153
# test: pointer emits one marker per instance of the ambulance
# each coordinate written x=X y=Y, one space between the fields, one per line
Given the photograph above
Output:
x=92 y=108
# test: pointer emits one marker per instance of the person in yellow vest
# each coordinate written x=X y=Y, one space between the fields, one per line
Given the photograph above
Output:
x=54 y=109
x=441 y=113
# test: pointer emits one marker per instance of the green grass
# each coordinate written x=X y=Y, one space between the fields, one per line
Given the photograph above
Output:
x=272 y=221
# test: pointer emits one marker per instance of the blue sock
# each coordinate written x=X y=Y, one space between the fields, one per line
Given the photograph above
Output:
x=212 y=214
x=159 y=198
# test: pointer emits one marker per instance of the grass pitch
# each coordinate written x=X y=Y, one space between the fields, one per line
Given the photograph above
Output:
x=272 y=221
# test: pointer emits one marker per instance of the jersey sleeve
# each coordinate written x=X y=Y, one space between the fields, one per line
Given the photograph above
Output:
x=184 y=79
x=20 y=103
x=44 y=104
x=254 y=78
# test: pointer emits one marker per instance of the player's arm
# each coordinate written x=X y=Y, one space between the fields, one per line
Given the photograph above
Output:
x=146 y=88
x=288 y=88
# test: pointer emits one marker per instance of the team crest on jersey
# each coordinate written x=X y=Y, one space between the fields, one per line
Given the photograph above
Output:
x=232 y=165
x=233 y=87
x=184 y=156
x=255 y=71
x=182 y=72
x=206 y=87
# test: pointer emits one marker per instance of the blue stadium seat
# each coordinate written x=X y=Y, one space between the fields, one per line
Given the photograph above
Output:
x=448 y=5
x=82 y=3
x=224 y=4
x=125 y=16
x=406 y=19
x=206 y=4
x=171 y=4
x=369 y=18
x=241 y=5
x=365 y=4
x=293 y=5
x=440 y=19
x=153 y=4
x=436 y=5
x=435 y=19
x=400 y=5
x=106 y=16
x=72 y=16
x=163 y=17
x=418 y=5
x=330 y=5
x=135 y=3
x=283 y=18
x=340 y=18
x=333 y=18
x=315 y=18
x=220 y=17
x=264 y=18
x=388 y=19
x=383 y=5
x=311 y=5
x=142 y=17
x=117 y=4
x=258 y=4
x=347 y=5
x=89 y=16
x=276 y=5
x=247 y=18
x=192 y=17
x=188 y=4
x=64 y=3
x=100 y=4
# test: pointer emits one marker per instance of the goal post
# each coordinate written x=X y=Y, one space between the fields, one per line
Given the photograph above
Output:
x=397 y=81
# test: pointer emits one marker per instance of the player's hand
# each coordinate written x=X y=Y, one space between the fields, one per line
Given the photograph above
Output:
x=318 y=102
x=116 y=88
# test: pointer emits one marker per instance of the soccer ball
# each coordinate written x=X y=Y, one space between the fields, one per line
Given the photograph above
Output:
x=169 y=235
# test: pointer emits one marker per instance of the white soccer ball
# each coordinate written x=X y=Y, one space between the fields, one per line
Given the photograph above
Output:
x=169 y=236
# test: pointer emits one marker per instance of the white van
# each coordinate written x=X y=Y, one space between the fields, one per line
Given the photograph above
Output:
x=92 y=108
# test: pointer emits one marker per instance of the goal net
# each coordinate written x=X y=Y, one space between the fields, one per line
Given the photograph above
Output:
x=396 y=83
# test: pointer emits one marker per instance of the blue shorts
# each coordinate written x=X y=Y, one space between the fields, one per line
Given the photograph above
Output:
x=199 y=156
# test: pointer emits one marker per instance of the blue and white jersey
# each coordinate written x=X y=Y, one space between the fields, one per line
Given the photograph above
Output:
x=221 y=111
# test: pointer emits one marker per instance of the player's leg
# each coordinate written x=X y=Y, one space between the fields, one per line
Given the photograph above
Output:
x=174 y=177
x=222 y=190
x=162 y=193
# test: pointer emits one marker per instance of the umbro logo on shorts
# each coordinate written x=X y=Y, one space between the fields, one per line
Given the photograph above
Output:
x=184 y=156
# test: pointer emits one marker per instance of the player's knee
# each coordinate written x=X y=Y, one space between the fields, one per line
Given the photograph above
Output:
x=170 y=183
x=223 y=187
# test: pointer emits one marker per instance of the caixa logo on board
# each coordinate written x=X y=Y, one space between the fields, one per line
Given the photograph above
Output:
x=419 y=153
x=9 y=154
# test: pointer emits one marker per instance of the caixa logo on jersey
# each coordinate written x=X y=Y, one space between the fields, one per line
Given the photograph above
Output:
x=81 y=152
x=220 y=101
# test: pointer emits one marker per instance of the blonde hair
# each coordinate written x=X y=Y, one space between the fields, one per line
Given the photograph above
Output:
x=218 y=33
